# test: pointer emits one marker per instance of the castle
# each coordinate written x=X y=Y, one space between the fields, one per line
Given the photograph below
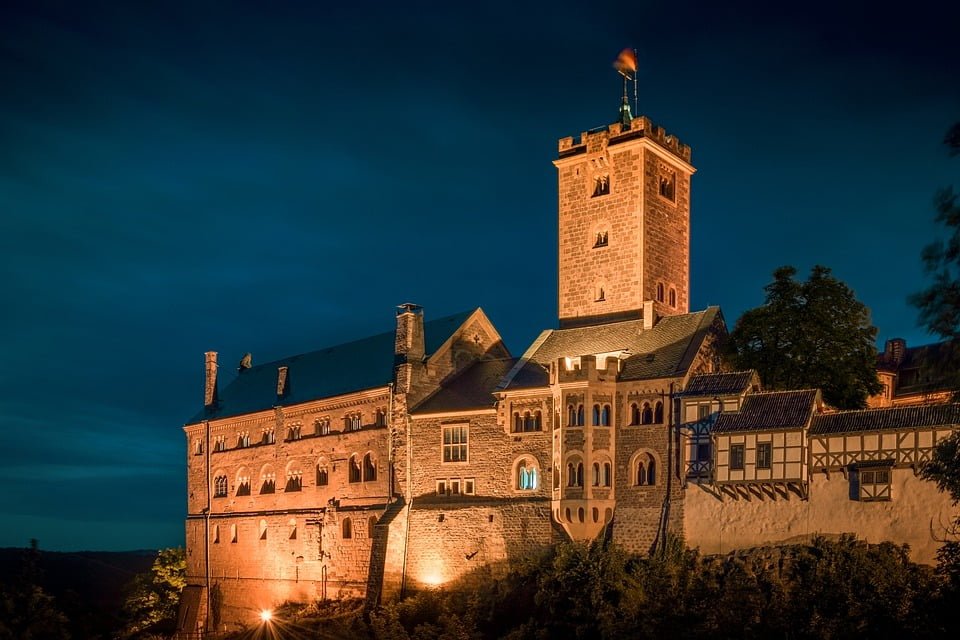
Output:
x=429 y=456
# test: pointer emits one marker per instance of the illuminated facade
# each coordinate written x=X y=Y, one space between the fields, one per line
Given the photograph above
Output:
x=430 y=456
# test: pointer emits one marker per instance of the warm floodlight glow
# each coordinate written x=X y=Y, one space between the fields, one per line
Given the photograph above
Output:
x=266 y=615
x=433 y=579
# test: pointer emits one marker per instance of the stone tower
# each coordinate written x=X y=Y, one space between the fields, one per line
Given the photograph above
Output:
x=624 y=207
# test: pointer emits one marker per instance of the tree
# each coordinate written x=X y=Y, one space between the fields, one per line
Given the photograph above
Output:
x=939 y=304
x=810 y=334
x=153 y=598
x=27 y=612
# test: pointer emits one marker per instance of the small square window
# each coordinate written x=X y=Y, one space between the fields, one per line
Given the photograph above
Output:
x=873 y=484
x=703 y=411
x=455 y=487
x=441 y=487
x=468 y=487
x=736 y=457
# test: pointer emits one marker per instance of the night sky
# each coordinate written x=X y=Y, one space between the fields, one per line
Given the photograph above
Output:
x=275 y=177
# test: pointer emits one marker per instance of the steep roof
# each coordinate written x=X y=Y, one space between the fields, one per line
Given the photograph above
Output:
x=343 y=368
x=890 y=418
x=663 y=351
x=469 y=390
x=719 y=384
x=769 y=410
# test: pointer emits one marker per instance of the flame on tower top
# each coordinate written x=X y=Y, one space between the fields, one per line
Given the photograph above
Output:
x=626 y=66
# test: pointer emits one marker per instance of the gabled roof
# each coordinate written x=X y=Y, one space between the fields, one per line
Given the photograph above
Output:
x=469 y=390
x=931 y=415
x=663 y=351
x=719 y=384
x=770 y=410
x=352 y=366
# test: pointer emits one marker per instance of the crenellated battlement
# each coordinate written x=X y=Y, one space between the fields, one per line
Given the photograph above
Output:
x=597 y=139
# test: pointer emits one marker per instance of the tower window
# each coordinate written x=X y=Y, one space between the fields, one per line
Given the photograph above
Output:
x=354 y=469
x=659 y=292
x=601 y=295
x=665 y=186
x=601 y=185
x=601 y=240
x=673 y=297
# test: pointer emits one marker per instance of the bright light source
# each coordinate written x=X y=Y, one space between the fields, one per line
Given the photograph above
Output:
x=266 y=615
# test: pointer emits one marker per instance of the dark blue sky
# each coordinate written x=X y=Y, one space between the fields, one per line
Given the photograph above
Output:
x=275 y=177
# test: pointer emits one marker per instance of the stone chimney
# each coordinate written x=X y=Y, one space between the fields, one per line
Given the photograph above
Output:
x=282 y=385
x=649 y=315
x=210 y=385
x=895 y=350
x=408 y=349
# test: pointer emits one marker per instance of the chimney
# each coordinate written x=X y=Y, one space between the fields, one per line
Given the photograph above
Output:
x=281 y=382
x=649 y=315
x=894 y=350
x=408 y=346
x=210 y=385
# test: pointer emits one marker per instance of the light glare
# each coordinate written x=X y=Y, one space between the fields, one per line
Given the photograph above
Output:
x=266 y=615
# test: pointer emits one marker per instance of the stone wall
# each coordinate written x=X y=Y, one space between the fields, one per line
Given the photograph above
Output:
x=915 y=515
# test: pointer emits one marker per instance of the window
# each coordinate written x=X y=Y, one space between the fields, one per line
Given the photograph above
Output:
x=322 y=427
x=764 y=453
x=666 y=185
x=347 y=528
x=529 y=421
x=352 y=422
x=646 y=470
x=703 y=452
x=575 y=474
x=220 y=487
x=596 y=474
x=578 y=417
x=601 y=295
x=354 y=469
x=216 y=534
x=736 y=457
x=269 y=483
x=293 y=433
x=292 y=524
x=659 y=292
x=455 y=443
x=605 y=416
x=380 y=418
x=369 y=468
x=323 y=476
x=596 y=415
x=601 y=185
x=243 y=486
x=233 y=533
x=607 y=475
x=294 y=481
x=455 y=486
x=197 y=447
x=243 y=440
x=703 y=412
x=601 y=239
x=269 y=437
x=263 y=529
x=441 y=487
x=658 y=413
x=634 y=414
x=469 y=486
x=673 y=297
x=646 y=416
x=873 y=484
x=220 y=444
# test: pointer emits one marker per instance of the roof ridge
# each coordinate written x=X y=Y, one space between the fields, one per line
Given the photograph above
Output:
x=847 y=412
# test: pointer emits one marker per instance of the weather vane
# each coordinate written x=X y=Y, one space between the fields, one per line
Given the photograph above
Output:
x=626 y=66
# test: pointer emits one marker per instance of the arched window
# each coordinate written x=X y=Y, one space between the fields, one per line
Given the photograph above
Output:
x=216 y=534
x=579 y=474
x=233 y=533
x=537 y=421
x=596 y=474
x=571 y=415
x=369 y=468
x=268 y=481
x=292 y=524
x=605 y=416
x=659 y=292
x=243 y=484
x=556 y=477
x=673 y=297
x=526 y=476
x=354 y=466
x=596 y=415
x=294 y=480
x=606 y=474
x=527 y=421
x=571 y=475
x=380 y=418
x=634 y=414
x=517 y=422
x=220 y=487
x=347 y=529
x=263 y=529
x=580 y=417
x=647 y=415
x=646 y=470
x=323 y=476
x=658 y=413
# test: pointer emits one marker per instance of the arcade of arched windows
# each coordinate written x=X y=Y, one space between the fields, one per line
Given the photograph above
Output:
x=527 y=420
x=644 y=469
x=645 y=412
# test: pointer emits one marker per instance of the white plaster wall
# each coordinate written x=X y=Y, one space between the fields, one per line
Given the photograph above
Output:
x=916 y=515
